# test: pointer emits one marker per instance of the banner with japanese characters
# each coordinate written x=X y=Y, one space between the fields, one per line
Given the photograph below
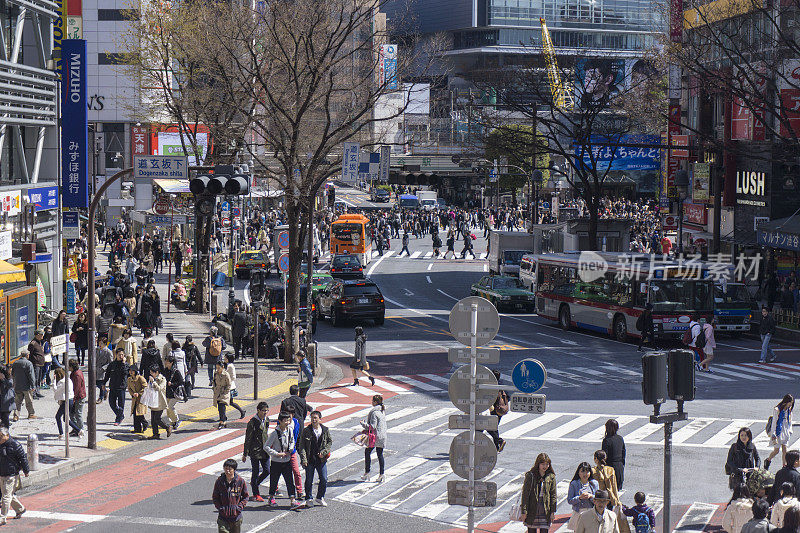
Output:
x=74 y=130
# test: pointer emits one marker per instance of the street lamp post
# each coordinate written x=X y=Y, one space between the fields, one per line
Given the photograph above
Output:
x=682 y=184
x=536 y=178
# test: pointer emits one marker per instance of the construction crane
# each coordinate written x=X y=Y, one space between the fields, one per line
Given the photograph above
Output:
x=562 y=93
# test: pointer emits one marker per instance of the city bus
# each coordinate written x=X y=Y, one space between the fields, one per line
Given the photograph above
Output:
x=350 y=235
x=606 y=292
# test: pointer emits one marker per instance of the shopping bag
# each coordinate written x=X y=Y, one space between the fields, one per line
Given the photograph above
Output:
x=360 y=439
x=515 y=515
x=150 y=398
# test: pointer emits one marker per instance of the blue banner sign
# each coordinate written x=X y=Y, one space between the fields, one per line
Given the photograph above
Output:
x=74 y=125
x=779 y=239
x=43 y=198
x=603 y=155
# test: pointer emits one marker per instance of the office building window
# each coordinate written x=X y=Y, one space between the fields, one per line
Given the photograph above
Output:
x=109 y=59
x=116 y=14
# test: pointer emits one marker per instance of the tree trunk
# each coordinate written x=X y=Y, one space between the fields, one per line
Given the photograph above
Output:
x=292 y=309
x=594 y=214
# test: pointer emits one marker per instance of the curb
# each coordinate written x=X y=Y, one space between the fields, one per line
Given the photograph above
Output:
x=66 y=467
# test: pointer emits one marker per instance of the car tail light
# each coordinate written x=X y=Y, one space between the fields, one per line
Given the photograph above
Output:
x=273 y=311
x=313 y=307
x=343 y=302
x=239 y=265
x=381 y=300
x=359 y=269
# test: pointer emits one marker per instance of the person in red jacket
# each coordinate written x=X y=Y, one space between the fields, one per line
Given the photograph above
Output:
x=79 y=390
x=230 y=497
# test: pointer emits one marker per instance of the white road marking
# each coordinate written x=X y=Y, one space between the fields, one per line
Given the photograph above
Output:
x=698 y=515
x=207 y=453
x=429 y=279
x=725 y=435
x=333 y=394
x=378 y=262
x=394 y=500
x=445 y=294
x=391 y=387
x=486 y=268
x=424 y=419
x=416 y=254
x=415 y=383
x=430 y=266
x=185 y=445
x=362 y=489
x=530 y=425
x=568 y=427
x=151 y=521
x=428 y=255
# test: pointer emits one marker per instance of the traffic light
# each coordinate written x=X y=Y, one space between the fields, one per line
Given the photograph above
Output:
x=654 y=378
x=680 y=376
x=231 y=180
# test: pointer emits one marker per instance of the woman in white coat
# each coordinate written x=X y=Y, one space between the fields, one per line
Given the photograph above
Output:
x=376 y=422
x=781 y=429
x=738 y=511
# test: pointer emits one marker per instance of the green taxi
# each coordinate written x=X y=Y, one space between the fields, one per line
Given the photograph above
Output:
x=319 y=280
x=505 y=292
x=251 y=260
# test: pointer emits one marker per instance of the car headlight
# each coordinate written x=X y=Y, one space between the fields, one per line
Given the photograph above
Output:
x=531 y=297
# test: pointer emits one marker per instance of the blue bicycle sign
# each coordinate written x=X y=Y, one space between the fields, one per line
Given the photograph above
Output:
x=529 y=375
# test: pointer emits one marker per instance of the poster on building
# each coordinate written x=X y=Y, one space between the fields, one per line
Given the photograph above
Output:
x=638 y=72
x=789 y=87
x=43 y=198
x=639 y=153
x=169 y=143
x=5 y=245
x=597 y=80
x=23 y=338
x=387 y=67
x=74 y=127
x=10 y=202
x=701 y=182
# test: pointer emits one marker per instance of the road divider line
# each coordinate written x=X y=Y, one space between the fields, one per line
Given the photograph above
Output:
x=429 y=279
x=378 y=262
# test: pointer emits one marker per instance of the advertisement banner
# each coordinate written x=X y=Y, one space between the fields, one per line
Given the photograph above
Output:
x=169 y=143
x=74 y=127
x=140 y=140
x=597 y=80
x=5 y=245
x=695 y=213
x=10 y=202
x=43 y=198
x=387 y=67
x=701 y=182
x=350 y=162
x=610 y=157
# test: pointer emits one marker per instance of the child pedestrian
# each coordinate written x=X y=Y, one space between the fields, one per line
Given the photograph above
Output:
x=644 y=518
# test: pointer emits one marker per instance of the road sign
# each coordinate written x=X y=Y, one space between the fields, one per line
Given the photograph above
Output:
x=461 y=317
x=528 y=403
x=225 y=206
x=70 y=227
x=150 y=167
x=58 y=344
x=459 y=389
x=486 y=356
x=283 y=240
x=482 y=422
x=162 y=205
x=283 y=263
x=485 y=455
x=485 y=493
x=529 y=375
x=236 y=211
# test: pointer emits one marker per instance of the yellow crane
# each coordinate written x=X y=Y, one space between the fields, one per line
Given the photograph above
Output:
x=562 y=93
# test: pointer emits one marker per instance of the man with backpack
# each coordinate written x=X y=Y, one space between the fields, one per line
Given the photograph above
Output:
x=499 y=408
x=694 y=337
x=214 y=345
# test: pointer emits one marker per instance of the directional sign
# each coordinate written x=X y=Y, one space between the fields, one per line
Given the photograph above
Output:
x=58 y=344
x=283 y=263
x=283 y=239
x=528 y=403
x=485 y=493
x=529 y=375
x=485 y=455
x=486 y=356
x=70 y=228
x=459 y=389
x=482 y=422
x=460 y=320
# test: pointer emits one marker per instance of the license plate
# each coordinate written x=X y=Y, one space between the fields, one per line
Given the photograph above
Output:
x=363 y=300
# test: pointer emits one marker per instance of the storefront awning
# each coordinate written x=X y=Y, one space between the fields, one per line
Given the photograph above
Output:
x=783 y=233
x=171 y=186
x=10 y=273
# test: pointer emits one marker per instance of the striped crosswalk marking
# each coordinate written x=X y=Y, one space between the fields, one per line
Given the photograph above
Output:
x=391 y=473
x=436 y=377
x=207 y=453
x=643 y=432
x=597 y=434
x=391 y=387
x=333 y=394
x=185 y=445
x=622 y=370
x=424 y=419
x=561 y=373
x=428 y=255
x=505 y=494
x=347 y=418
x=530 y=425
x=753 y=369
x=568 y=427
x=344 y=451
x=395 y=499
x=415 y=383
x=416 y=254
x=364 y=391
x=691 y=429
x=482 y=256
x=726 y=435
x=392 y=415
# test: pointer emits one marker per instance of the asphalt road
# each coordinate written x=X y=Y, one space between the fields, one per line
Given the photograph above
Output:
x=590 y=378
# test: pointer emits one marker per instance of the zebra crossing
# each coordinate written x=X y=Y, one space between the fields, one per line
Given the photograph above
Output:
x=417 y=254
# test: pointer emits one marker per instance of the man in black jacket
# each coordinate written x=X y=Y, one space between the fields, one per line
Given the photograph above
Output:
x=238 y=329
x=314 y=449
x=645 y=324
x=787 y=474
x=254 y=438
x=117 y=379
x=12 y=460
x=767 y=330
x=298 y=404
x=150 y=356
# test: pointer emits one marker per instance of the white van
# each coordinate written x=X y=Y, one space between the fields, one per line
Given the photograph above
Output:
x=527 y=272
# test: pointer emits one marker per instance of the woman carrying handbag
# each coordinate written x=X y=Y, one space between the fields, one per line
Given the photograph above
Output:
x=539 y=498
x=779 y=427
x=742 y=458
x=375 y=428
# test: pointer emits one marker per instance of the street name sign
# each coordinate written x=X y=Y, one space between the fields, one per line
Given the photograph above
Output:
x=485 y=455
x=58 y=344
x=528 y=403
x=486 y=356
x=482 y=422
x=485 y=493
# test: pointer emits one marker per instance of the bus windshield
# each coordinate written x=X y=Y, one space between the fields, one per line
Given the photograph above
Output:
x=736 y=296
x=513 y=257
x=349 y=233
x=680 y=295
x=409 y=202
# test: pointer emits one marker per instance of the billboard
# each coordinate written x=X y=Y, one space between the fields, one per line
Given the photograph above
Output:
x=387 y=67
x=701 y=182
x=598 y=79
x=607 y=156
x=169 y=143
x=74 y=125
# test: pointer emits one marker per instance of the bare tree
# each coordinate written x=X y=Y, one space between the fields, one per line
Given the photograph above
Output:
x=313 y=69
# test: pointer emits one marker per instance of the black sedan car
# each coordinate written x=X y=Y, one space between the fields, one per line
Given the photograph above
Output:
x=352 y=299
x=346 y=266
x=380 y=195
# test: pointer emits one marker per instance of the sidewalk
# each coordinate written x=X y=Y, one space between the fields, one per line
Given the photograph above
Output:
x=274 y=378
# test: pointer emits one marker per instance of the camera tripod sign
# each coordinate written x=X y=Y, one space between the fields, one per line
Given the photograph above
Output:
x=529 y=375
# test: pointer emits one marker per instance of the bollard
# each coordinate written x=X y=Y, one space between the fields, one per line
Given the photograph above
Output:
x=33 y=451
x=312 y=356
